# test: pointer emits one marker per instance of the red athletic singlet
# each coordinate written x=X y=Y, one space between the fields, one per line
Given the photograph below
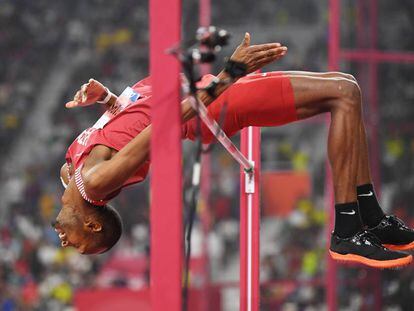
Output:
x=264 y=99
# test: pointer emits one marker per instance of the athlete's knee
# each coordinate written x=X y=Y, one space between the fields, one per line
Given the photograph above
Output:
x=349 y=77
x=343 y=75
x=349 y=95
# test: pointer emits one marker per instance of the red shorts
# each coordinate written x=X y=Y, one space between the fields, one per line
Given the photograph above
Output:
x=264 y=99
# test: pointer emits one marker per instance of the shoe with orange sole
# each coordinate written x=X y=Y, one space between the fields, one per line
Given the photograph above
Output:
x=394 y=234
x=366 y=249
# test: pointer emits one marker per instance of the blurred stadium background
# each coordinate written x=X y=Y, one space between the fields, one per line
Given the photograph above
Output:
x=49 y=48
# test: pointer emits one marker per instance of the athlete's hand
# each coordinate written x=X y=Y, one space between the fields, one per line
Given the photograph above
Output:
x=257 y=56
x=88 y=94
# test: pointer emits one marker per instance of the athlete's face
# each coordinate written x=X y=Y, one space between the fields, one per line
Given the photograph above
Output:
x=73 y=231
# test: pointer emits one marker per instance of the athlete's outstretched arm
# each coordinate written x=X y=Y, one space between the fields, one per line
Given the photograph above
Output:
x=108 y=176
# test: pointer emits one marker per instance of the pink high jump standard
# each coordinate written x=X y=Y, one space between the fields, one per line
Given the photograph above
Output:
x=166 y=189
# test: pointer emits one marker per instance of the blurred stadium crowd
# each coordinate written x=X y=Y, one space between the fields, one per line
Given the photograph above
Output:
x=108 y=40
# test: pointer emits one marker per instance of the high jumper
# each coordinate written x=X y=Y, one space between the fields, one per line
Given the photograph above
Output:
x=114 y=152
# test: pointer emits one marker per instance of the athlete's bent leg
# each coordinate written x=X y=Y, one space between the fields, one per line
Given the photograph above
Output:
x=341 y=97
x=363 y=171
x=391 y=231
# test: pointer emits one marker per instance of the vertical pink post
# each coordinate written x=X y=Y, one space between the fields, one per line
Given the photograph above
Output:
x=373 y=124
x=250 y=223
x=166 y=188
x=204 y=18
x=373 y=98
x=333 y=63
x=204 y=21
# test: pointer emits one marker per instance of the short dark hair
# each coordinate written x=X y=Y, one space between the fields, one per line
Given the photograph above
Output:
x=111 y=227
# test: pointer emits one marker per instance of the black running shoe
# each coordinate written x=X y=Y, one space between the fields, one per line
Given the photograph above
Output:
x=394 y=234
x=365 y=248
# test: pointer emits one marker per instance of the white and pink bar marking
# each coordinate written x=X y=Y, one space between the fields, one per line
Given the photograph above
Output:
x=250 y=223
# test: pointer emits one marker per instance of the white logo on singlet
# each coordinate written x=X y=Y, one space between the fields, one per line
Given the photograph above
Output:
x=83 y=138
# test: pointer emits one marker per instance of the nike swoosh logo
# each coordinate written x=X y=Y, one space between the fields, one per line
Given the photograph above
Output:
x=348 y=213
x=366 y=194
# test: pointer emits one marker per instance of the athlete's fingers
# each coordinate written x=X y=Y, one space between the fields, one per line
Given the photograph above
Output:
x=81 y=96
x=266 y=61
x=264 y=47
x=64 y=243
x=271 y=58
x=92 y=84
x=77 y=96
x=84 y=87
x=84 y=92
x=84 y=96
x=271 y=53
x=246 y=40
x=71 y=104
x=95 y=88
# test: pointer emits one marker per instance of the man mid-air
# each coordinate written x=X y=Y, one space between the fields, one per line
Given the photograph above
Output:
x=114 y=152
